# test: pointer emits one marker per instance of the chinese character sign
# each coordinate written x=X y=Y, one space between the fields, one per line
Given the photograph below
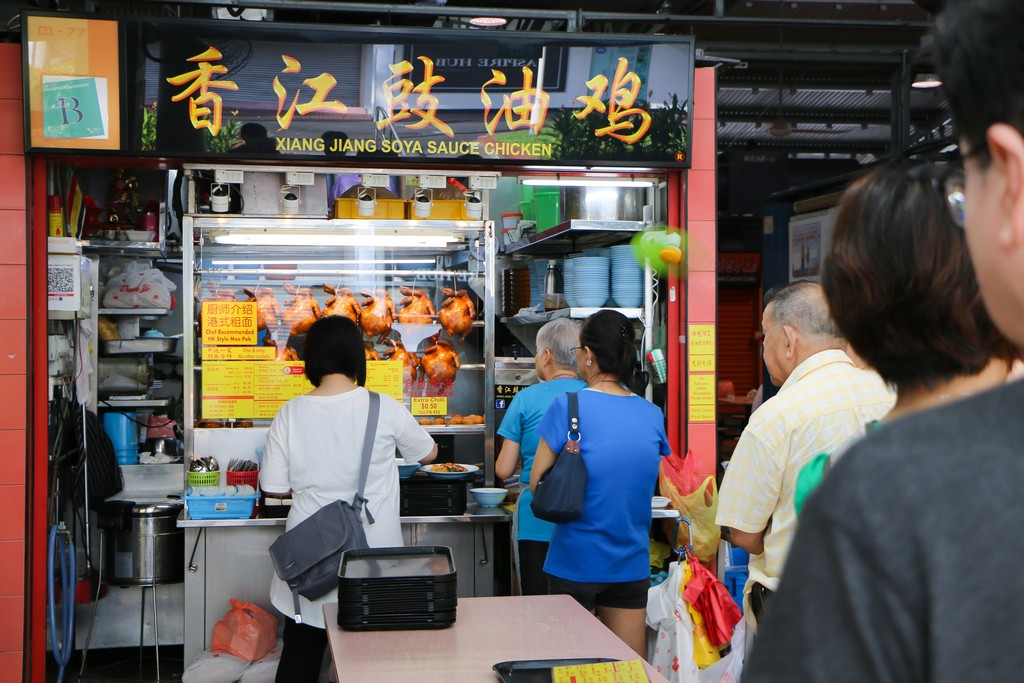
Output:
x=584 y=99
x=199 y=91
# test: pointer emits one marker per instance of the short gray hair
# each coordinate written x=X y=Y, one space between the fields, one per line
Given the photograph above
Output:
x=562 y=336
x=802 y=305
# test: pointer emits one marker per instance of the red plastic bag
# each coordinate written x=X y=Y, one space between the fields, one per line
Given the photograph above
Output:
x=247 y=631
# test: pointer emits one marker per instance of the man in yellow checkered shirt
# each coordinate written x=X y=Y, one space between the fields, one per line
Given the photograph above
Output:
x=824 y=401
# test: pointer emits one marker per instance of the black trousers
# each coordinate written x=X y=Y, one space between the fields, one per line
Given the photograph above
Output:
x=302 y=653
x=532 y=555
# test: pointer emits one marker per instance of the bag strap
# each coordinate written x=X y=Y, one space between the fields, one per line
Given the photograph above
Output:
x=572 y=437
x=364 y=468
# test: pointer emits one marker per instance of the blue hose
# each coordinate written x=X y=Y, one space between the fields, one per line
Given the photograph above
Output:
x=61 y=649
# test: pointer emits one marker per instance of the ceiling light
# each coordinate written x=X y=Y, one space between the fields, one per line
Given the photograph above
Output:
x=321 y=262
x=488 y=22
x=576 y=181
x=926 y=81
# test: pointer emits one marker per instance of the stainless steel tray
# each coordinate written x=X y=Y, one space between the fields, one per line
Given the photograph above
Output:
x=142 y=345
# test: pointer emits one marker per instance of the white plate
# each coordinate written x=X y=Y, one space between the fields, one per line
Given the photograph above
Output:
x=659 y=502
x=470 y=471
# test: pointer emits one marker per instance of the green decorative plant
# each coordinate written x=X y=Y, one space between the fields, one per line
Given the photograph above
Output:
x=226 y=139
x=574 y=138
x=149 y=128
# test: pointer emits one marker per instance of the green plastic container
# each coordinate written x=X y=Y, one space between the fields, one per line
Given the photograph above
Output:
x=526 y=208
x=547 y=209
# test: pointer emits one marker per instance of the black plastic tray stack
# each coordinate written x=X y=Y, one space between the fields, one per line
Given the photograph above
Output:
x=421 y=495
x=397 y=589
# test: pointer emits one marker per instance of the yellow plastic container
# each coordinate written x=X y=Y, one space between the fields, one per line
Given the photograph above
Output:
x=445 y=210
x=386 y=209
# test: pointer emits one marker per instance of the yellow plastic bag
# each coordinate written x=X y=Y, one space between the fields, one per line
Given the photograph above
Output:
x=696 y=498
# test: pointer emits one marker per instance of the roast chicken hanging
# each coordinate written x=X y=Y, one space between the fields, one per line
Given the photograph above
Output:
x=301 y=311
x=342 y=302
x=287 y=352
x=377 y=315
x=457 y=314
x=410 y=360
x=369 y=351
x=416 y=307
x=440 y=360
x=268 y=311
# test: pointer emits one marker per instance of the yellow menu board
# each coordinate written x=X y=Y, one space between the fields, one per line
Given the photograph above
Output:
x=385 y=377
x=245 y=389
x=229 y=323
x=239 y=353
x=631 y=671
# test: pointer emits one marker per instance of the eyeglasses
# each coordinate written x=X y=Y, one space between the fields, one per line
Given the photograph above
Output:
x=953 y=187
x=577 y=348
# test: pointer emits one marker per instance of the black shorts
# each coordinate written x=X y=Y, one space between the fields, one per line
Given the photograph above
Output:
x=623 y=595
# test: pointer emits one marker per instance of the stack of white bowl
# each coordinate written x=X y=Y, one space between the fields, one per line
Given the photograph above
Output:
x=627 y=278
x=568 y=286
x=538 y=271
x=590 y=281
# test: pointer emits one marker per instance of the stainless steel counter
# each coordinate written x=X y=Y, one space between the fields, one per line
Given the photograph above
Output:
x=474 y=514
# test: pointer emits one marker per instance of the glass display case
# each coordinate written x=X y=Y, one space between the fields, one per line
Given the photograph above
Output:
x=259 y=274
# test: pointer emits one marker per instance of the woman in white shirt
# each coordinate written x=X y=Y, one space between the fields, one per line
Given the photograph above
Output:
x=314 y=449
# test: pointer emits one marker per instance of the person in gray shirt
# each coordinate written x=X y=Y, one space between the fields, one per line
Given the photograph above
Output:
x=903 y=568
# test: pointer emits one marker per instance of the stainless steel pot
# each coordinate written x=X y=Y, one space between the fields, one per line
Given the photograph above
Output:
x=142 y=543
x=604 y=203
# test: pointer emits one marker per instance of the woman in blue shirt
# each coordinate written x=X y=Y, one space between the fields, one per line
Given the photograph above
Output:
x=555 y=362
x=602 y=558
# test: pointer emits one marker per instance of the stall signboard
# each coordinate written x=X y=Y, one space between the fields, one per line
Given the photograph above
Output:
x=274 y=92
x=385 y=377
x=228 y=323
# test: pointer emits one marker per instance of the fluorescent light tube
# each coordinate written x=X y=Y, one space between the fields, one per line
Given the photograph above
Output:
x=333 y=240
x=586 y=182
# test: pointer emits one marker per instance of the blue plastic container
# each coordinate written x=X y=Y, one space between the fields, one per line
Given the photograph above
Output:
x=735 y=580
x=219 y=507
x=124 y=434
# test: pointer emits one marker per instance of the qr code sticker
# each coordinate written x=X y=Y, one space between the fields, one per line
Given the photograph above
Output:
x=60 y=281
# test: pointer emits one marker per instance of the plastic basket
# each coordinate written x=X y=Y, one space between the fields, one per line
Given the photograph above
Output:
x=219 y=507
x=251 y=477
x=204 y=478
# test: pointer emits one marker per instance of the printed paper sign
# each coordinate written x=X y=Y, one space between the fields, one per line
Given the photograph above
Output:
x=702 y=390
x=702 y=340
x=385 y=377
x=429 y=405
x=229 y=323
x=631 y=671
x=71 y=107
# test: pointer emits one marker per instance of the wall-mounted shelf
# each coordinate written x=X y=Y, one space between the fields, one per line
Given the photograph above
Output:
x=126 y=402
x=141 y=312
x=576 y=235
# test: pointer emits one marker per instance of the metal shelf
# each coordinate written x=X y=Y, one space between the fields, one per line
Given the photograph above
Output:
x=141 y=312
x=133 y=402
x=576 y=235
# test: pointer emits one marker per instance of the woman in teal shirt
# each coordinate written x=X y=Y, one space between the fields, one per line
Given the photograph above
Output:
x=556 y=368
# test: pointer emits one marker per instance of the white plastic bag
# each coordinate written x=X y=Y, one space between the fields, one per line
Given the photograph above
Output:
x=138 y=286
x=667 y=614
x=729 y=667
x=264 y=670
x=215 y=667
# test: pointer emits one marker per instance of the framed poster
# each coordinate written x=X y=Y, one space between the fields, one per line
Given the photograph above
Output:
x=73 y=83
x=809 y=237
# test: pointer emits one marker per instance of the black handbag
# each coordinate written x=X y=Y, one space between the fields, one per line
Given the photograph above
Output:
x=307 y=557
x=559 y=495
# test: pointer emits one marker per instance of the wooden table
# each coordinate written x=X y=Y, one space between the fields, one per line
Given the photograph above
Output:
x=486 y=631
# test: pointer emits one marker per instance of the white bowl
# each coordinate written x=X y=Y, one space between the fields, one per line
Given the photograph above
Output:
x=659 y=502
x=489 y=497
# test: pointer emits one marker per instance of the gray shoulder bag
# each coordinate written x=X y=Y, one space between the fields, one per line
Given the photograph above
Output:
x=307 y=557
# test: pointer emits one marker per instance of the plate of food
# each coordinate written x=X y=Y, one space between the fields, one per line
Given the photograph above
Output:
x=449 y=470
